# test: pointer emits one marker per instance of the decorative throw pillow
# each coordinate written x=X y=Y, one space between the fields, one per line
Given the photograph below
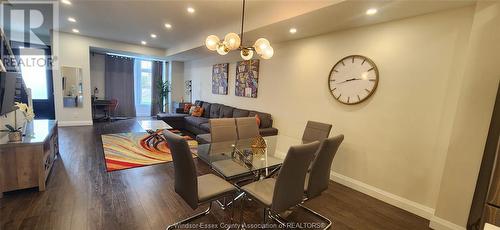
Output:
x=187 y=107
x=257 y=118
x=198 y=111
x=191 y=110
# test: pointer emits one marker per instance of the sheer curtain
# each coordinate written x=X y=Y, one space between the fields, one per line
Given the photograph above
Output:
x=143 y=87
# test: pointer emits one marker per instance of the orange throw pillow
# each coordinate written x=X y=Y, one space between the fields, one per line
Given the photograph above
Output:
x=257 y=118
x=187 y=107
x=198 y=111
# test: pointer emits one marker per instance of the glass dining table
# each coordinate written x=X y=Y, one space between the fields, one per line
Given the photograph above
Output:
x=258 y=157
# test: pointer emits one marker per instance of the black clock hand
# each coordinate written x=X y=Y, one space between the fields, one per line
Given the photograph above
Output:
x=348 y=80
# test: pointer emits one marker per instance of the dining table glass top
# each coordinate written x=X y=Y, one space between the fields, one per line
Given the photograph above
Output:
x=233 y=159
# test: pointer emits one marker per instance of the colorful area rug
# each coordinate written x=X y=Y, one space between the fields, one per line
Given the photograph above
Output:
x=132 y=150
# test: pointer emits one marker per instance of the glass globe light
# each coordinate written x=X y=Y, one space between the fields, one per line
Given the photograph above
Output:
x=212 y=42
x=246 y=54
x=260 y=45
x=233 y=41
x=268 y=53
x=222 y=49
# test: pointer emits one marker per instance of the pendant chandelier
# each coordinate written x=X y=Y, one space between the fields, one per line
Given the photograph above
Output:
x=233 y=42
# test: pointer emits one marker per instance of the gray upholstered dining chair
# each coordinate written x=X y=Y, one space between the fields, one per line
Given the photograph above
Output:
x=247 y=127
x=223 y=129
x=317 y=179
x=316 y=131
x=287 y=190
x=193 y=189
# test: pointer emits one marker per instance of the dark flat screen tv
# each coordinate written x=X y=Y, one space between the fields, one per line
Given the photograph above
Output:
x=8 y=91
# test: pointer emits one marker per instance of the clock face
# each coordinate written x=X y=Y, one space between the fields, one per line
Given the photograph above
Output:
x=353 y=79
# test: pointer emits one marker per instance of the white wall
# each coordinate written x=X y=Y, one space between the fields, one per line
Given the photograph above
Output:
x=176 y=73
x=472 y=119
x=97 y=74
x=396 y=141
x=74 y=51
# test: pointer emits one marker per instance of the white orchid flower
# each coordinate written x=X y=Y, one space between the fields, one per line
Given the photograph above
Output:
x=27 y=111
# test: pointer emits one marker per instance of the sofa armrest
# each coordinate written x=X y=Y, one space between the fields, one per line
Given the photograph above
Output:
x=268 y=132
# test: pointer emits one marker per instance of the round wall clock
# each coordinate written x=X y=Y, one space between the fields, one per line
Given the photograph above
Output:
x=353 y=79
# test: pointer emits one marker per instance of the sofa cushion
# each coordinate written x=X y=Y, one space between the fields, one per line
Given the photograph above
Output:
x=206 y=109
x=205 y=127
x=226 y=111
x=240 y=113
x=198 y=103
x=195 y=121
x=266 y=120
x=197 y=112
x=215 y=110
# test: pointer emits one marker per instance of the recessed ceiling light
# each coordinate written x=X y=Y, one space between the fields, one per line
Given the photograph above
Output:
x=293 y=30
x=67 y=2
x=71 y=19
x=190 y=10
x=371 y=11
x=153 y=35
x=168 y=26
x=75 y=31
x=144 y=42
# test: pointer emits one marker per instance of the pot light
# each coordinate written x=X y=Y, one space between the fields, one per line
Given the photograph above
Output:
x=293 y=30
x=144 y=42
x=371 y=11
x=153 y=35
x=71 y=19
x=190 y=10
x=75 y=31
x=168 y=26
x=67 y=2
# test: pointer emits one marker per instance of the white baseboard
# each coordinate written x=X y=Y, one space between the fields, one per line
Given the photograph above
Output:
x=74 y=123
x=442 y=224
x=400 y=202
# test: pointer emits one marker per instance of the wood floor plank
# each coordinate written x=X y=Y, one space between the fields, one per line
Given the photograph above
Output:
x=82 y=195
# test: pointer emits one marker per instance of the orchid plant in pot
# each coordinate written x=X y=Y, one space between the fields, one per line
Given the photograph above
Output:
x=15 y=133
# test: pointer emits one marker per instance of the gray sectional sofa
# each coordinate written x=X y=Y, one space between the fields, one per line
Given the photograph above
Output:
x=200 y=125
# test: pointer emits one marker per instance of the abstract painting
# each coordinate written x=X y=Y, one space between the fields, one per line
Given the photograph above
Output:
x=247 y=78
x=219 y=78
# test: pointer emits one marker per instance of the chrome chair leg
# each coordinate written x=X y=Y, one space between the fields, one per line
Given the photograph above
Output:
x=282 y=221
x=225 y=205
x=329 y=222
x=278 y=219
x=189 y=219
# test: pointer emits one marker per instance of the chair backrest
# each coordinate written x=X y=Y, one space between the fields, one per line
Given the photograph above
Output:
x=186 y=180
x=316 y=131
x=247 y=127
x=289 y=187
x=223 y=129
x=319 y=176
x=113 y=104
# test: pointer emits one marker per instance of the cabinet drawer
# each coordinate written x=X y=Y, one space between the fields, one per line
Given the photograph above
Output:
x=492 y=215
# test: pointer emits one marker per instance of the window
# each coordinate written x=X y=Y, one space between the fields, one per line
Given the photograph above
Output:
x=34 y=72
x=145 y=82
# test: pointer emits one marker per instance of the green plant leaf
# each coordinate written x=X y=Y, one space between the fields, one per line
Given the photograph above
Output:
x=11 y=129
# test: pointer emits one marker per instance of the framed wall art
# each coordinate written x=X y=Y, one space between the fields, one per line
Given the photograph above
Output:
x=219 y=78
x=247 y=78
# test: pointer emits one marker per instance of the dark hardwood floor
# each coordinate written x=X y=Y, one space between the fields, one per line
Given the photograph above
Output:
x=82 y=195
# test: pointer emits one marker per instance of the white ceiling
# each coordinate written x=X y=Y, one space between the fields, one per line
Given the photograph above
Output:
x=132 y=21
x=340 y=16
